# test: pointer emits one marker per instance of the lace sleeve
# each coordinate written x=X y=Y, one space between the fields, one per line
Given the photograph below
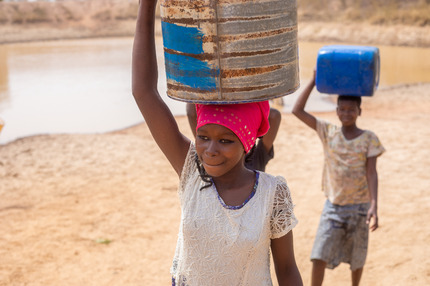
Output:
x=188 y=169
x=283 y=219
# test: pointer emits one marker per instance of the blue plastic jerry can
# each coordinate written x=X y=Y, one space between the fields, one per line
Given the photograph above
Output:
x=347 y=70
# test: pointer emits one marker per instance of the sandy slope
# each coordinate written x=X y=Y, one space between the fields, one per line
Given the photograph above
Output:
x=43 y=20
x=63 y=198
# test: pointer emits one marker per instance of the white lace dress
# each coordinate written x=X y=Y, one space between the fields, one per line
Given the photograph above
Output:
x=221 y=246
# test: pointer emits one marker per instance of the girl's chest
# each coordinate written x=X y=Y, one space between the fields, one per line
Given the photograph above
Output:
x=204 y=217
x=353 y=151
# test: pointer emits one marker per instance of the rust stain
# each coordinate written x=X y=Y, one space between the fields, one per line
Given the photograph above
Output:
x=194 y=5
x=248 y=88
x=210 y=38
x=202 y=57
x=248 y=19
x=226 y=38
x=248 y=54
x=177 y=87
x=228 y=2
x=256 y=35
x=187 y=21
x=248 y=71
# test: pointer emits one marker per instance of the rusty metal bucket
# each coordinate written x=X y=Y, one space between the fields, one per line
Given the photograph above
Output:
x=230 y=51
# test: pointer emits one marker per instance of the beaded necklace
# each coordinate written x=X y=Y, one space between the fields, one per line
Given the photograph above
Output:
x=254 y=189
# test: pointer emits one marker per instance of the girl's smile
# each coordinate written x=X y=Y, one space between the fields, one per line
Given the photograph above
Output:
x=348 y=111
x=218 y=148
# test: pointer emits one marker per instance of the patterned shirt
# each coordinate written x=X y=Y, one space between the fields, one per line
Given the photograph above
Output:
x=344 y=175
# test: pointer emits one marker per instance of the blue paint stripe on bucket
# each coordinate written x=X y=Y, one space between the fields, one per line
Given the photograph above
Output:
x=190 y=72
x=182 y=39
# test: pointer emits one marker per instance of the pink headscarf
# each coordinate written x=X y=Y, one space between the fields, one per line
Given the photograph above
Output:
x=247 y=120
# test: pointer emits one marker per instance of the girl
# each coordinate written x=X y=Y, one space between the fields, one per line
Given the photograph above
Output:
x=231 y=216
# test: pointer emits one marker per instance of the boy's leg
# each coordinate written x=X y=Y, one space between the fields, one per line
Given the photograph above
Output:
x=356 y=276
x=318 y=269
x=325 y=251
x=360 y=244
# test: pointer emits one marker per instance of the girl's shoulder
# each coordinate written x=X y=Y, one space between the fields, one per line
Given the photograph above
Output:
x=270 y=177
x=369 y=133
x=373 y=144
x=276 y=189
x=326 y=129
x=272 y=182
x=369 y=136
x=281 y=206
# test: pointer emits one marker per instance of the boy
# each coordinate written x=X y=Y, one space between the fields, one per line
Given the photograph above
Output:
x=350 y=183
x=263 y=151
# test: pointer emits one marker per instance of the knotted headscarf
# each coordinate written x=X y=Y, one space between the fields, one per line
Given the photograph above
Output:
x=247 y=120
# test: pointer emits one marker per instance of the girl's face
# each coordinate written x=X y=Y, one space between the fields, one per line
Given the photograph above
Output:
x=219 y=149
x=347 y=111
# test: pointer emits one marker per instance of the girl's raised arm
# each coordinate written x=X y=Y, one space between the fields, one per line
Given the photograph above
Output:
x=157 y=115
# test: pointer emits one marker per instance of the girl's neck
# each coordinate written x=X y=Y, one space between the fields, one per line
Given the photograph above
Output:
x=351 y=131
x=234 y=179
x=235 y=189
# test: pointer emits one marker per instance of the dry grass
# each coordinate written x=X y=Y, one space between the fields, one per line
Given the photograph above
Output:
x=67 y=11
x=66 y=19
x=389 y=22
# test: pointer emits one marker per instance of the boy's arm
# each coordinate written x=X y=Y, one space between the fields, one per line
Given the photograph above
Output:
x=158 y=117
x=299 y=106
x=274 y=121
x=286 y=269
x=372 y=181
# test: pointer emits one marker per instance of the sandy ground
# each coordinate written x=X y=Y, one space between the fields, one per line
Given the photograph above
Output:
x=102 y=209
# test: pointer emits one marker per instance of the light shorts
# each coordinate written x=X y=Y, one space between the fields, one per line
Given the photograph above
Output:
x=342 y=235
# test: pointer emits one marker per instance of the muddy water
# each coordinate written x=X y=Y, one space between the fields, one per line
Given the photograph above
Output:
x=79 y=86
x=399 y=65
x=84 y=86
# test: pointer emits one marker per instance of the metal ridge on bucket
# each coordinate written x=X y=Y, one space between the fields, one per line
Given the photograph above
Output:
x=230 y=51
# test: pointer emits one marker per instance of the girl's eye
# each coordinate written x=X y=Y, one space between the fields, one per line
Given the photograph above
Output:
x=201 y=137
x=225 y=141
